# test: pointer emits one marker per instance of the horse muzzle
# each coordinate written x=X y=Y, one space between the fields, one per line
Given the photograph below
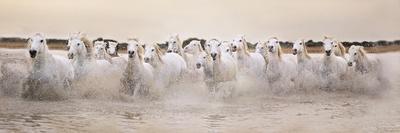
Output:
x=169 y=51
x=328 y=52
x=270 y=49
x=234 y=49
x=214 y=56
x=131 y=53
x=146 y=59
x=350 y=63
x=70 y=56
x=198 y=65
x=32 y=53
x=294 y=51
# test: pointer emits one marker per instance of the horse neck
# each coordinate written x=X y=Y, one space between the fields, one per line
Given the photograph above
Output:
x=274 y=56
x=241 y=54
x=41 y=60
x=362 y=62
x=81 y=58
x=157 y=64
x=134 y=65
x=302 y=56
x=208 y=69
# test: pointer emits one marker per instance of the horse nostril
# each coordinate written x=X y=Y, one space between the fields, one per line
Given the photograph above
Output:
x=350 y=63
x=146 y=59
x=169 y=51
x=32 y=53
x=213 y=55
x=294 y=51
x=198 y=65
x=70 y=56
x=328 y=52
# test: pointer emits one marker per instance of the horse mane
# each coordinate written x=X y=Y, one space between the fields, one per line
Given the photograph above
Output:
x=245 y=47
x=342 y=49
x=280 y=52
x=362 y=52
x=89 y=46
x=305 y=50
x=158 y=51
x=140 y=53
x=199 y=47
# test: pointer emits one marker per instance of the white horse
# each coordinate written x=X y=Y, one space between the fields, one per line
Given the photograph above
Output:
x=112 y=50
x=81 y=53
x=175 y=46
x=358 y=57
x=218 y=67
x=333 y=68
x=226 y=48
x=138 y=76
x=100 y=51
x=261 y=48
x=304 y=60
x=49 y=73
x=190 y=52
x=193 y=49
x=306 y=66
x=168 y=68
x=278 y=67
x=249 y=62
x=337 y=47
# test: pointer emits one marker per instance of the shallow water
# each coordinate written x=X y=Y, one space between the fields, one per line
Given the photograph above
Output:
x=189 y=108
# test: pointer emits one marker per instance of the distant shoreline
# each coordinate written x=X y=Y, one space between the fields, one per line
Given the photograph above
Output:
x=380 y=46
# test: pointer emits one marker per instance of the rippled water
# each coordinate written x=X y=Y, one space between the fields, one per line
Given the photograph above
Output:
x=191 y=109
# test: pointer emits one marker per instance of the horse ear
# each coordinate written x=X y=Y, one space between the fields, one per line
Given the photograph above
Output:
x=325 y=37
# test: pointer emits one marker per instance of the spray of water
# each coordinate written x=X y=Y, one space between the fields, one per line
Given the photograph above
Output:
x=101 y=83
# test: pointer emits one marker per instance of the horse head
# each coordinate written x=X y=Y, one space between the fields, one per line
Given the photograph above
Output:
x=298 y=47
x=135 y=49
x=174 y=44
x=76 y=46
x=37 y=45
x=355 y=54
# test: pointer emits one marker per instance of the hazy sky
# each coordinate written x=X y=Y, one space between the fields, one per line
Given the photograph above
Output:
x=155 y=20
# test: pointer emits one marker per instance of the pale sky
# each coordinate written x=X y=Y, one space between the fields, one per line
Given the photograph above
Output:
x=155 y=20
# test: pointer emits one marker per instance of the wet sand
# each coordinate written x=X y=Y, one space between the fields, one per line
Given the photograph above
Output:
x=192 y=110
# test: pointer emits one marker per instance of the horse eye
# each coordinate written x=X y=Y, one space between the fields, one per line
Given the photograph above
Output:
x=262 y=47
x=331 y=42
x=204 y=57
x=301 y=43
x=174 y=42
x=219 y=45
x=267 y=41
x=78 y=44
x=41 y=41
x=208 y=45
x=355 y=53
x=240 y=40
x=137 y=45
x=152 y=50
x=335 y=45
